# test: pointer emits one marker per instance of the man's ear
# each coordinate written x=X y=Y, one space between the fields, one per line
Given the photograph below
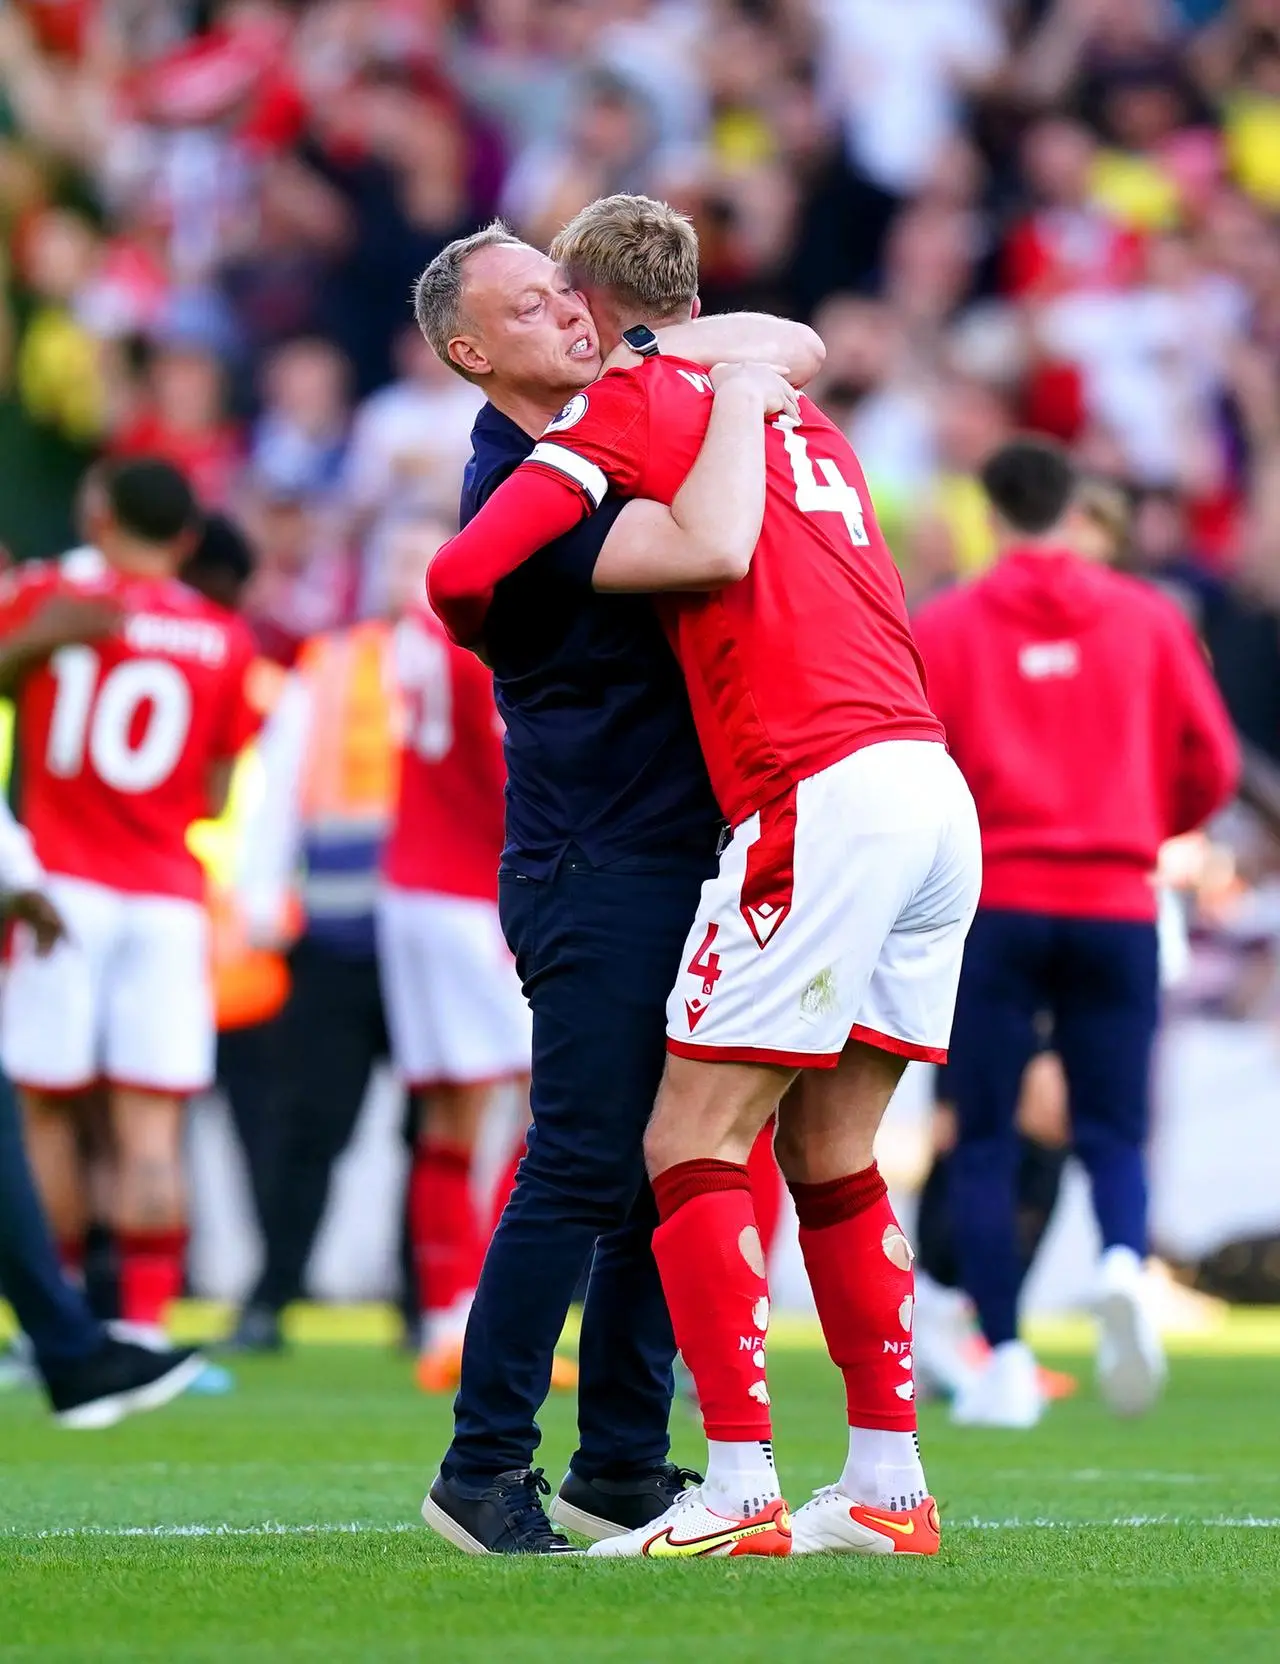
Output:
x=695 y=310
x=467 y=356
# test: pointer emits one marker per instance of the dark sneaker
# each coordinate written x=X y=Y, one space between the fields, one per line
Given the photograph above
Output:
x=258 y=1329
x=503 y=1517
x=118 y=1380
x=599 y=1508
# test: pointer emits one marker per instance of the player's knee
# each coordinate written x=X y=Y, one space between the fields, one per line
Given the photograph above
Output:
x=663 y=1147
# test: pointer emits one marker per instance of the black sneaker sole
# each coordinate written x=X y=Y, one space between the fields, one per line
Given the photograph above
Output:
x=444 y=1524
x=114 y=1407
x=593 y=1526
x=448 y=1528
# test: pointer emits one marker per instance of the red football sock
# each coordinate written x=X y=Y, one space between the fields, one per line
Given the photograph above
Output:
x=712 y=1268
x=505 y=1185
x=151 y=1265
x=766 y=1186
x=859 y=1265
x=442 y=1223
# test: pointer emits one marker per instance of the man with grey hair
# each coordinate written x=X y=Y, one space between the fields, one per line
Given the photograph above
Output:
x=611 y=830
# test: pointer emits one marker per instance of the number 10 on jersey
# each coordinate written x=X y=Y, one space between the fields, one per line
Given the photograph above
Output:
x=98 y=719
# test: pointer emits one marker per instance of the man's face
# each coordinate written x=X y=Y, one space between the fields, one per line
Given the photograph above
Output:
x=524 y=328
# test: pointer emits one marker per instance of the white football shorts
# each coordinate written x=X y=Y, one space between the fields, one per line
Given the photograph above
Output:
x=126 y=999
x=455 y=1009
x=840 y=912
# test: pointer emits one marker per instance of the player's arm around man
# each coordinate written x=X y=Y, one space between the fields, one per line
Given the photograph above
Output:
x=703 y=540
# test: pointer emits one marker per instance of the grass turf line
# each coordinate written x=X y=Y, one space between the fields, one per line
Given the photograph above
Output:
x=339 y=1436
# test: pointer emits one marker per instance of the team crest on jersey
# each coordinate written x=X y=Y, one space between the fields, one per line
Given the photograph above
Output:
x=573 y=412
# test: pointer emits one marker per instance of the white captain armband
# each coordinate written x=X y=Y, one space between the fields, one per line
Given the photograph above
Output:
x=592 y=480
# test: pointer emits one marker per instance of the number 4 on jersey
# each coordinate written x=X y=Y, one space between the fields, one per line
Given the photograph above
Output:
x=832 y=494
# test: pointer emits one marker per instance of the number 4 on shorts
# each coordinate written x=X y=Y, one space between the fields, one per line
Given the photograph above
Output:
x=705 y=963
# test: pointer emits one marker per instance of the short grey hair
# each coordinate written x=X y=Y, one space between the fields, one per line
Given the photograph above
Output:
x=437 y=295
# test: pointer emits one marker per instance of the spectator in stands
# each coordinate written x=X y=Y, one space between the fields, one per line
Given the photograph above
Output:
x=183 y=417
x=409 y=444
x=301 y=433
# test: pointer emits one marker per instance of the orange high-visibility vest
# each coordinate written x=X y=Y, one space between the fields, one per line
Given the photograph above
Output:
x=250 y=985
x=353 y=761
x=351 y=774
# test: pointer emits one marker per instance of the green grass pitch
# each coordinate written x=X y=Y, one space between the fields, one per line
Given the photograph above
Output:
x=282 y=1524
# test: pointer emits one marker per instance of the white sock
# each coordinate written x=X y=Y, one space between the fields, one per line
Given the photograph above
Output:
x=740 y=1477
x=884 y=1469
x=1121 y=1265
x=447 y=1326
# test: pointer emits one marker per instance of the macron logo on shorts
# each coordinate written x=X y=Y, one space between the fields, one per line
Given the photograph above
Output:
x=764 y=920
x=695 y=1010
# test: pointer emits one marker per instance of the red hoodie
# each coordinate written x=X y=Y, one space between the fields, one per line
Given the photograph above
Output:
x=1082 y=712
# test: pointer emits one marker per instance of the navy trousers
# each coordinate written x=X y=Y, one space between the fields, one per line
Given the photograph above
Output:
x=51 y=1310
x=598 y=951
x=1099 y=980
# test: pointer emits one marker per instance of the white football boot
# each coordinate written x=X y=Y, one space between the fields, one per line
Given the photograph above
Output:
x=688 y=1530
x=833 y=1523
x=1005 y=1392
x=1131 y=1361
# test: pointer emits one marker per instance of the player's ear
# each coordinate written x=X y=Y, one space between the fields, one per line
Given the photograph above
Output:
x=467 y=356
x=695 y=310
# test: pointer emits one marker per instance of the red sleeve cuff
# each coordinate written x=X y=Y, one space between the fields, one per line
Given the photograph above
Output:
x=532 y=508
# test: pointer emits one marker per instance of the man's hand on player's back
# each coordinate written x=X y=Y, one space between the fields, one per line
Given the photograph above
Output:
x=779 y=397
x=59 y=621
x=70 y=621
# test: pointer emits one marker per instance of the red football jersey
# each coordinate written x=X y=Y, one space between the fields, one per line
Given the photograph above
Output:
x=116 y=740
x=448 y=831
x=810 y=656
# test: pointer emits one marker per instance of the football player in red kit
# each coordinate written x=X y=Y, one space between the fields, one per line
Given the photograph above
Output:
x=133 y=698
x=831 y=939
x=457 y=1017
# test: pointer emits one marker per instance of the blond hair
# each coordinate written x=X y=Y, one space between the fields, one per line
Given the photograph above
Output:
x=437 y=295
x=645 y=252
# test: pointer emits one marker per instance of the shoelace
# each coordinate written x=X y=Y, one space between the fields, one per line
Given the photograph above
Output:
x=685 y=1478
x=522 y=1496
x=689 y=1498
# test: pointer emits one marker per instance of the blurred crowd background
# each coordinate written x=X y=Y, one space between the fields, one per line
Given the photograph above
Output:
x=1061 y=215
